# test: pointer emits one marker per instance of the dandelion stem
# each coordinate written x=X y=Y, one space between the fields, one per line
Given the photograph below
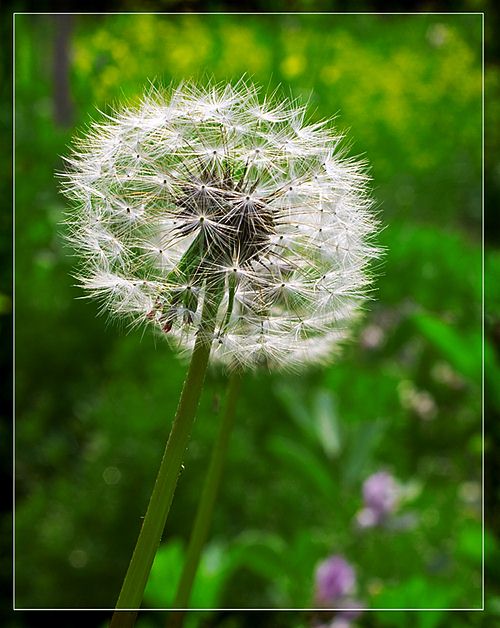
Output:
x=231 y=292
x=161 y=498
x=124 y=619
x=206 y=504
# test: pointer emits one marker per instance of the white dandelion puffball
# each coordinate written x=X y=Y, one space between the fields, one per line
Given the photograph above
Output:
x=210 y=191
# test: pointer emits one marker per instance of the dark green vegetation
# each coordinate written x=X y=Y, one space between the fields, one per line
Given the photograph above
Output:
x=94 y=404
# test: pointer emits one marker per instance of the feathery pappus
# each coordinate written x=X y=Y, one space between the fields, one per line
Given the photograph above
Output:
x=197 y=187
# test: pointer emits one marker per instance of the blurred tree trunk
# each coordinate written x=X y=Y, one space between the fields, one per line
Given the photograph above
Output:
x=63 y=105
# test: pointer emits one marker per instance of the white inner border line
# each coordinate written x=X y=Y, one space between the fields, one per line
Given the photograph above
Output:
x=297 y=609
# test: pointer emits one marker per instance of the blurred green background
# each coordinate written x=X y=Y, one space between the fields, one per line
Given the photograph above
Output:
x=94 y=405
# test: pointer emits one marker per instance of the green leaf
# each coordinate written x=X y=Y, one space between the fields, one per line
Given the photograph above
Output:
x=363 y=440
x=213 y=570
x=304 y=463
x=469 y=542
x=293 y=398
x=416 y=593
x=461 y=348
x=326 y=423
x=260 y=552
x=165 y=574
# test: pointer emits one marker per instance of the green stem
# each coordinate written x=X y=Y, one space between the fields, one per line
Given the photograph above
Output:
x=230 y=302
x=161 y=498
x=124 y=619
x=206 y=503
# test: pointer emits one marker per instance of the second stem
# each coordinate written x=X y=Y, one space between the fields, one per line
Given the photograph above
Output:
x=206 y=504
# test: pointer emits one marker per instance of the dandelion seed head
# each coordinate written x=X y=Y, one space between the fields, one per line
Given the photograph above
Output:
x=198 y=185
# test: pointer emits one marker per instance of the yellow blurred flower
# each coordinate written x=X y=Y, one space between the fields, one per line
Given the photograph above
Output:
x=293 y=66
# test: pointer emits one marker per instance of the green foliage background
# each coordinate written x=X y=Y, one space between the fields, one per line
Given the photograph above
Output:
x=94 y=405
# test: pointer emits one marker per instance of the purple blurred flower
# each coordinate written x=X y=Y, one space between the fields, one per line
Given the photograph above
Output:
x=335 y=578
x=380 y=496
x=337 y=622
x=340 y=622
